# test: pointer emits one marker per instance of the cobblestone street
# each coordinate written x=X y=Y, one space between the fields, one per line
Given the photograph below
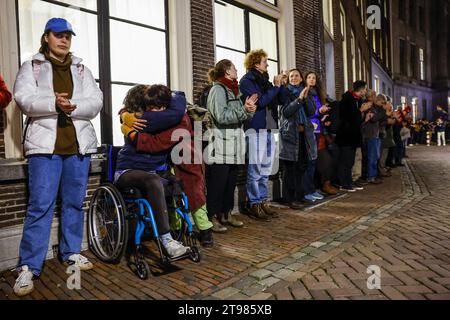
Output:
x=402 y=226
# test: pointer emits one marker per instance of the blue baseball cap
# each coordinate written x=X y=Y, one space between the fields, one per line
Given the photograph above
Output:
x=59 y=25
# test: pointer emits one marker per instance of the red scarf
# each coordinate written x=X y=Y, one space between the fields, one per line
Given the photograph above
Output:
x=355 y=95
x=233 y=85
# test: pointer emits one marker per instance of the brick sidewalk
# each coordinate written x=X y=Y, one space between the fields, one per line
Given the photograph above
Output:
x=321 y=253
x=409 y=240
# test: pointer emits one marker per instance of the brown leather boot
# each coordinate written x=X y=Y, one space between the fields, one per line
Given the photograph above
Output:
x=329 y=189
x=257 y=213
x=269 y=211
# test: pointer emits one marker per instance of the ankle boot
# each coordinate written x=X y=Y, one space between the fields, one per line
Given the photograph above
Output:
x=329 y=189
x=257 y=213
x=269 y=211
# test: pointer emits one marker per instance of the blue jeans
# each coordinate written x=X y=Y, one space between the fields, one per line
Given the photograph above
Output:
x=308 y=177
x=261 y=159
x=373 y=155
x=47 y=174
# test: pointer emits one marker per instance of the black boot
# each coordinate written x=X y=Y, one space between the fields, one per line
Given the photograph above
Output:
x=206 y=238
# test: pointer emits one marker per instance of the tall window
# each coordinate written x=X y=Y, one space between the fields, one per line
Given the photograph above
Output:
x=376 y=83
x=413 y=62
x=327 y=6
x=134 y=31
x=422 y=19
x=360 y=5
x=374 y=41
x=402 y=10
x=422 y=64
x=402 y=58
x=248 y=31
x=353 y=45
x=381 y=47
x=344 y=47
x=412 y=13
x=360 y=65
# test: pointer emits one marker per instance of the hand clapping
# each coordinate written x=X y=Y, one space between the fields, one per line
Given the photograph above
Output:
x=250 y=103
x=63 y=103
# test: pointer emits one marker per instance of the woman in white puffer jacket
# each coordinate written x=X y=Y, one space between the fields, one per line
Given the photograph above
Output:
x=60 y=97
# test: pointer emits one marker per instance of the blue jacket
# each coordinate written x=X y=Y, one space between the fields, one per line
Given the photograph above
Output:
x=271 y=99
x=317 y=116
x=441 y=127
x=129 y=159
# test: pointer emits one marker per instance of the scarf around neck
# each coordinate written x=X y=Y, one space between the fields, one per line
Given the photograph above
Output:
x=262 y=79
x=233 y=85
x=295 y=90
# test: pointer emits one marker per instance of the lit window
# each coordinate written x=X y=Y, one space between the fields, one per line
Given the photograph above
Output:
x=360 y=66
x=422 y=64
x=328 y=15
x=130 y=22
x=344 y=47
x=353 y=45
x=233 y=41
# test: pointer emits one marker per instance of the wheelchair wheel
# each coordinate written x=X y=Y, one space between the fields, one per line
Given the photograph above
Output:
x=142 y=270
x=195 y=255
x=107 y=224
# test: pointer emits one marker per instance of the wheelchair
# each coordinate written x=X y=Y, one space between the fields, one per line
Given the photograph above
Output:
x=109 y=216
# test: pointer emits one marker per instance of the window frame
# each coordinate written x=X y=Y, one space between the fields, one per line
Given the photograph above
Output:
x=403 y=58
x=104 y=55
x=422 y=74
x=247 y=11
x=402 y=10
x=413 y=60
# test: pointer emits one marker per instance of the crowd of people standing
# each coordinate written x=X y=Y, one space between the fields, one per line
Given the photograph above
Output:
x=318 y=136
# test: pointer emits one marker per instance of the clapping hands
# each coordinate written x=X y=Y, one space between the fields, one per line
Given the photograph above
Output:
x=250 y=103
x=63 y=103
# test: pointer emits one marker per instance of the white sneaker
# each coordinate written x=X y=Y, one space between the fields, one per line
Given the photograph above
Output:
x=24 y=283
x=80 y=261
x=175 y=249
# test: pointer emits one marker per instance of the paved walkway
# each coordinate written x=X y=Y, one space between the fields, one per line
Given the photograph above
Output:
x=403 y=227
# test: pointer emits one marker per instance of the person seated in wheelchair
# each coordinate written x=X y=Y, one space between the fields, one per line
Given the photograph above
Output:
x=148 y=172
x=146 y=132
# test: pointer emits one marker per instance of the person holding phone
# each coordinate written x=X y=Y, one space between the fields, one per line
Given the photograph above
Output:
x=59 y=96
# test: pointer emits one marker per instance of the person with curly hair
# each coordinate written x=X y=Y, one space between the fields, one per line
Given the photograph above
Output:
x=261 y=140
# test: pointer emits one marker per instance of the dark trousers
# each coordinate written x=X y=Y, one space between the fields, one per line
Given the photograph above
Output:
x=221 y=182
x=365 y=159
x=345 y=166
x=325 y=166
x=334 y=151
x=390 y=157
x=308 y=168
x=399 y=151
x=152 y=188
x=292 y=181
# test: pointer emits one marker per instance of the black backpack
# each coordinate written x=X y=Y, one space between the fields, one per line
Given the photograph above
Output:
x=203 y=99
